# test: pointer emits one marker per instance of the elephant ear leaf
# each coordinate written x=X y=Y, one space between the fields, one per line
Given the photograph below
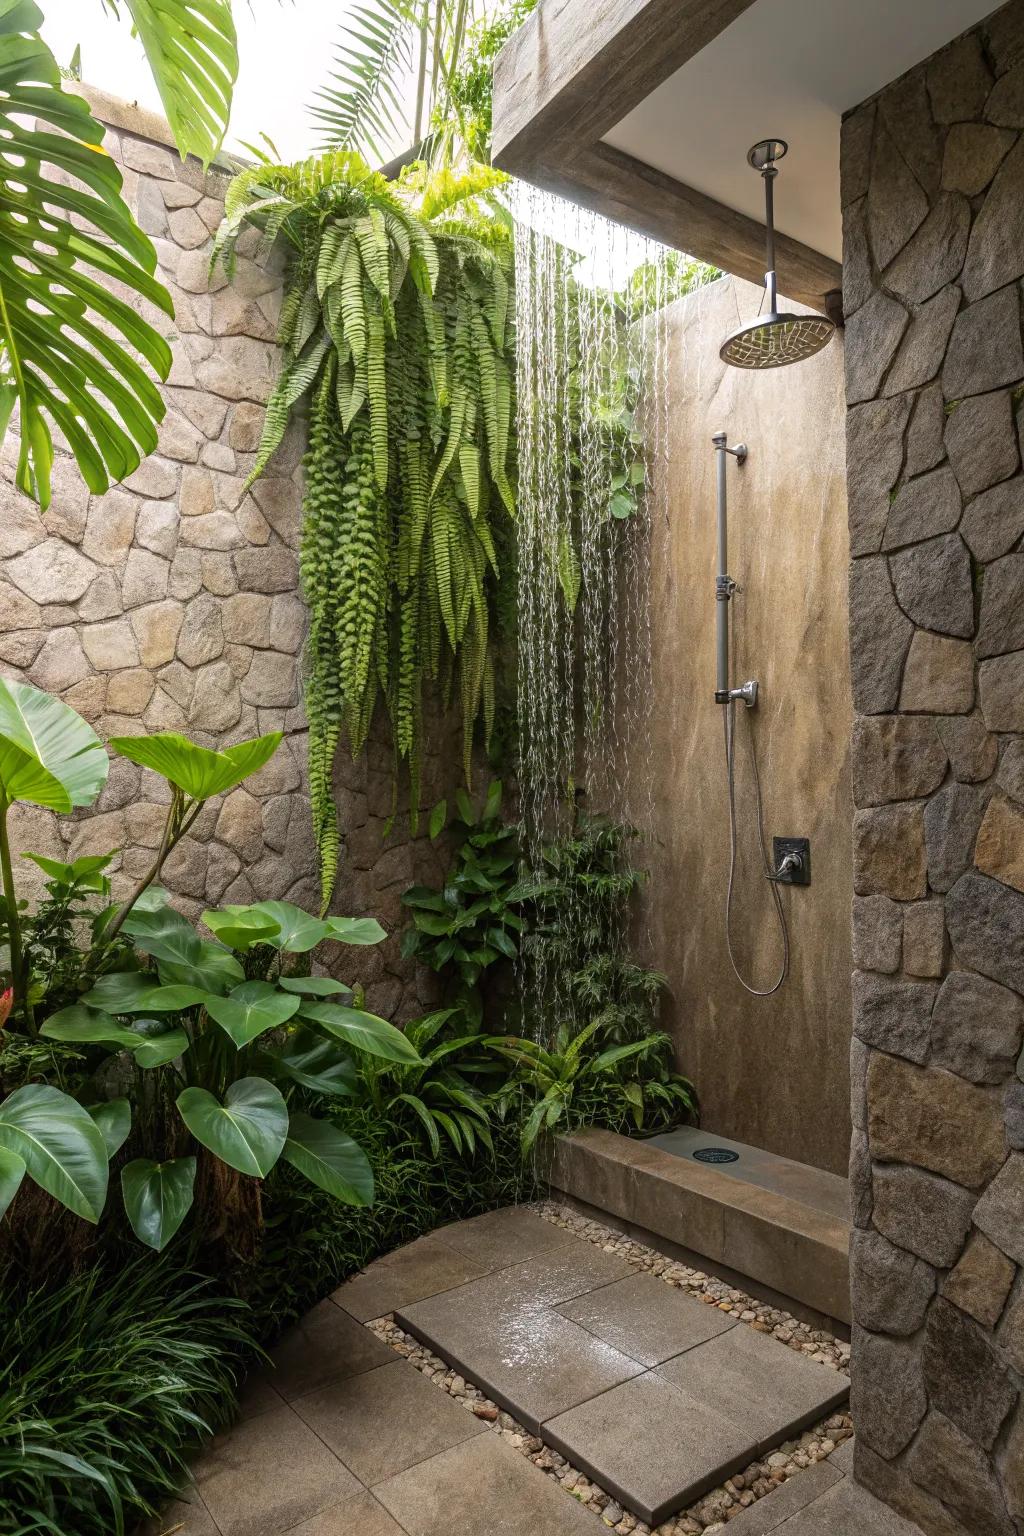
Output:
x=196 y=771
x=157 y=1197
x=61 y=1146
x=12 y=1171
x=330 y=1159
x=251 y=1009
x=247 y=1131
x=193 y=53
x=48 y=755
x=71 y=346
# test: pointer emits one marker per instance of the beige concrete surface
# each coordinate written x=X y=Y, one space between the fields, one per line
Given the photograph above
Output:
x=773 y=1072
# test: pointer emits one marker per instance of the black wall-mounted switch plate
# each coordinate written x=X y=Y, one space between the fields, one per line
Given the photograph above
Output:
x=800 y=845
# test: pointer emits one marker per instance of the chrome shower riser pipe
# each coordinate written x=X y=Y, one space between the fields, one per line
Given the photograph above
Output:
x=725 y=586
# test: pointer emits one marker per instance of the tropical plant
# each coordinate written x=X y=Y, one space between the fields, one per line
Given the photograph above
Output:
x=463 y=121
x=441 y=1092
x=383 y=44
x=108 y=1381
x=472 y=920
x=395 y=325
x=574 y=1082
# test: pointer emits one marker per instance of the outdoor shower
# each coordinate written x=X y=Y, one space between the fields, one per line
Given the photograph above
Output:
x=770 y=341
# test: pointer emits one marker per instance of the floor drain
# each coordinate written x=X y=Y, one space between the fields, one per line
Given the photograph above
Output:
x=716 y=1155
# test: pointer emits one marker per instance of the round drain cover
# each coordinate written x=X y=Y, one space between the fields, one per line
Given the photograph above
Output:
x=716 y=1155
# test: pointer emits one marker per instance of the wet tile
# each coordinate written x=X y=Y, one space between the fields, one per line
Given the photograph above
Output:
x=421 y=1269
x=268 y=1474
x=360 y=1516
x=505 y=1237
x=755 y=1381
x=326 y=1345
x=533 y=1361
x=483 y=1488
x=653 y=1446
x=647 y=1319
x=771 y=1513
x=359 y=1418
x=842 y=1458
x=847 y=1509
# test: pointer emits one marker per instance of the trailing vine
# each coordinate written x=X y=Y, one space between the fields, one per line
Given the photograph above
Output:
x=396 y=327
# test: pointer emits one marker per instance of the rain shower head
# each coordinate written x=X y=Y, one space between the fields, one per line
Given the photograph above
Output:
x=774 y=339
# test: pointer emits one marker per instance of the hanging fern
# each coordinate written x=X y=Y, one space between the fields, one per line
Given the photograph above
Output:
x=396 y=328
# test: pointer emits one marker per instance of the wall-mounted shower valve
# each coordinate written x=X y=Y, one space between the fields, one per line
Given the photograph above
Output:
x=791 y=860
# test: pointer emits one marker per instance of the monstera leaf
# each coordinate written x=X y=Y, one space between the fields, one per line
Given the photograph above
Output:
x=247 y=1131
x=48 y=755
x=67 y=239
x=59 y=1143
x=196 y=771
x=193 y=53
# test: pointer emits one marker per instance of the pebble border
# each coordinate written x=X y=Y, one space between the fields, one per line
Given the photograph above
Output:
x=714 y=1511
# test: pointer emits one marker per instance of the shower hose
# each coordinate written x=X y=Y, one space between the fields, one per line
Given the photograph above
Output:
x=729 y=718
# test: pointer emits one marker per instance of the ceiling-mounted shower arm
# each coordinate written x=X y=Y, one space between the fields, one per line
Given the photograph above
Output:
x=763 y=157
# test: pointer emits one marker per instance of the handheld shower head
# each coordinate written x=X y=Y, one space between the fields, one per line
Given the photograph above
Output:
x=774 y=339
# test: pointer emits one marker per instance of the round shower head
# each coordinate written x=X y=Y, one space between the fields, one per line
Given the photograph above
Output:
x=772 y=341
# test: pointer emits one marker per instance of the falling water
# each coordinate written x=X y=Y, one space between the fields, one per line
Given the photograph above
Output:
x=592 y=388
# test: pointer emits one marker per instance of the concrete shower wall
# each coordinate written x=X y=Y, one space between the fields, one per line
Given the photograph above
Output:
x=770 y=1071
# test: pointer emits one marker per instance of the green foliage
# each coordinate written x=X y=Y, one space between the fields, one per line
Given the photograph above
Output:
x=108 y=1380
x=69 y=349
x=395 y=326
x=473 y=920
x=471 y=85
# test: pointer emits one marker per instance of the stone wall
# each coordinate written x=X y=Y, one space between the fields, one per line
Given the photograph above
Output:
x=933 y=193
x=770 y=1071
x=172 y=603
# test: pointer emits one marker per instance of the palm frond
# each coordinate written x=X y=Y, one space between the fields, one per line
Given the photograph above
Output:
x=361 y=107
x=193 y=52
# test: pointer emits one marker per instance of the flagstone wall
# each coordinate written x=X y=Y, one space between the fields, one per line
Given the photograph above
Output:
x=933 y=192
x=172 y=603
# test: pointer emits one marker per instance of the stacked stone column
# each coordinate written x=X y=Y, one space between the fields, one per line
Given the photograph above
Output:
x=933 y=208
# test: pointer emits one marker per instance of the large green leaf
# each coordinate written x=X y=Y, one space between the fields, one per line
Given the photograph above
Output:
x=312 y=1062
x=183 y=959
x=157 y=1197
x=330 y=1159
x=193 y=53
x=355 y=930
x=241 y=927
x=251 y=1009
x=114 y=1119
x=67 y=242
x=159 y=1045
x=12 y=1171
x=196 y=771
x=60 y=1145
x=141 y=992
x=247 y=1131
x=363 y=1031
x=297 y=931
x=48 y=755
x=314 y=986
x=86 y=1025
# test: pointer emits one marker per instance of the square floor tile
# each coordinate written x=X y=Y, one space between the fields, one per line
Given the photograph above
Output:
x=653 y=1446
x=646 y=1318
x=358 y=1419
x=848 y=1510
x=483 y=1488
x=182 y=1519
x=755 y=1381
x=505 y=1237
x=269 y=1473
x=769 y=1515
x=536 y=1363
x=256 y=1395
x=326 y=1345
x=421 y=1269
x=361 y=1516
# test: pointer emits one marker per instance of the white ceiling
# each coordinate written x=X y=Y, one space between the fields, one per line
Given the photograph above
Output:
x=785 y=69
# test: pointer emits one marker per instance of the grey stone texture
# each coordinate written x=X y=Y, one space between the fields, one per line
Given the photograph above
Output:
x=172 y=603
x=937 y=657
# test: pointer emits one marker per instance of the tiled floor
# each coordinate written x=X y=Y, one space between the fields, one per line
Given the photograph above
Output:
x=655 y=1395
